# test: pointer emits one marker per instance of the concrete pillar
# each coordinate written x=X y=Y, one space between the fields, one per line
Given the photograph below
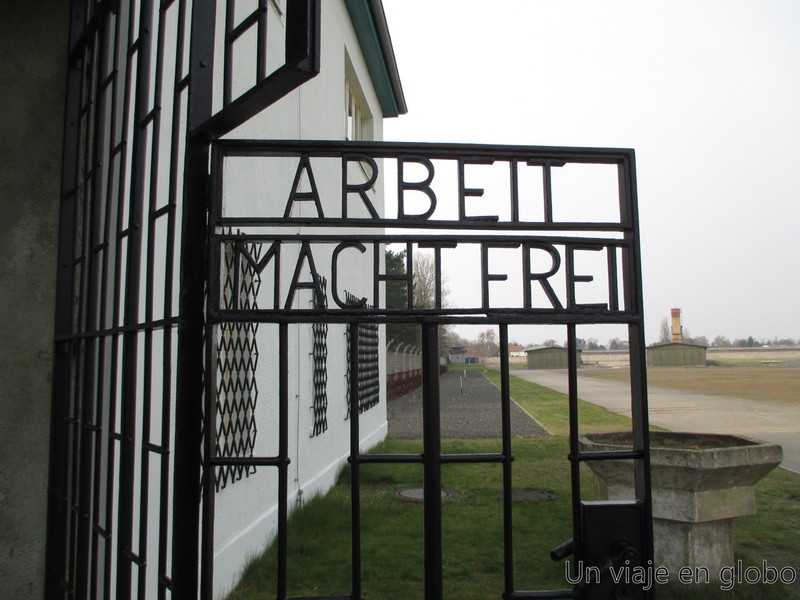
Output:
x=33 y=49
x=700 y=483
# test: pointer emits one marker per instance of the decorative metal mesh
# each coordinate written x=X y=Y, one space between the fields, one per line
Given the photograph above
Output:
x=320 y=358
x=369 y=386
x=237 y=360
x=368 y=371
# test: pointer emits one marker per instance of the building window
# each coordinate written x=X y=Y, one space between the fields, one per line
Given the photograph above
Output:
x=356 y=126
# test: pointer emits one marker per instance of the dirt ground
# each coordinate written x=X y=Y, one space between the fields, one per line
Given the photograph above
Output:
x=780 y=385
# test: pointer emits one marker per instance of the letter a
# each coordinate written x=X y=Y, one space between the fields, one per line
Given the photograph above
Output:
x=316 y=282
x=295 y=195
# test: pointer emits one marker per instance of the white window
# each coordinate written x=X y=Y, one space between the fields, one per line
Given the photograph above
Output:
x=356 y=127
x=357 y=116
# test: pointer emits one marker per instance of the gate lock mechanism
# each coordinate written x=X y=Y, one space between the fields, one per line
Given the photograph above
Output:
x=611 y=552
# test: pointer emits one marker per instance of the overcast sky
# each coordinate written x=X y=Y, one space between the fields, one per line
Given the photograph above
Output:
x=706 y=92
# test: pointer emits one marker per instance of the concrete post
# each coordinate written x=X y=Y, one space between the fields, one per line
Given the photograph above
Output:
x=33 y=44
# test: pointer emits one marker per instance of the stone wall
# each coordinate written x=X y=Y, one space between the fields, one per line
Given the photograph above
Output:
x=403 y=372
x=33 y=42
x=781 y=354
x=605 y=358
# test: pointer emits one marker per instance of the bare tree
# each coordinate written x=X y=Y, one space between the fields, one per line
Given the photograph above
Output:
x=617 y=344
x=424 y=295
x=486 y=344
x=721 y=342
x=427 y=292
x=664 y=333
x=425 y=283
x=593 y=344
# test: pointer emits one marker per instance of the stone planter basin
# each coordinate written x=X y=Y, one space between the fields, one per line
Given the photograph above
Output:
x=697 y=472
x=699 y=483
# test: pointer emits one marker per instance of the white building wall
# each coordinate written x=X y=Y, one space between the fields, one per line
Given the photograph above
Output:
x=246 y=511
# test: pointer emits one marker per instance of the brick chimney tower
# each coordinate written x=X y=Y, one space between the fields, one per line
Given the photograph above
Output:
x=677 y=328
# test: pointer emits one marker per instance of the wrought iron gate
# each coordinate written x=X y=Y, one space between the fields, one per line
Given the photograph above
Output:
x=145 y=322
x=125 y=440
x=306 y=209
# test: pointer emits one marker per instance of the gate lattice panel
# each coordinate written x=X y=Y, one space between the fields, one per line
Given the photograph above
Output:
x=127 y=384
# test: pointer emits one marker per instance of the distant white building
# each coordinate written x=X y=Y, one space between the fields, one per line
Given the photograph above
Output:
x=515 y=351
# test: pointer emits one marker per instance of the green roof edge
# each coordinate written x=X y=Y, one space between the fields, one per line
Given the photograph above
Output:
x=369 y=22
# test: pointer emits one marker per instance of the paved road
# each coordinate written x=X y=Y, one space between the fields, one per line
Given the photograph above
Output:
x=469 y=409
x=691 y=411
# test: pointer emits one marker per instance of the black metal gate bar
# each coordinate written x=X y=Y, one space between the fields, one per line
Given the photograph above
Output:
x=283 y=454
x=189 y=386
x=190 y=359
x=432 y=461
x=101 y=235
x=355 y=463
x=639 y=413
x=574 y=433
x=130 y=339
x=121 y=83
x=86 y=266
x=210 y=451
x=90 y=281
x=156 y=452
x=632 y=265
x=174 y=199
x=505 y=407
x=574 y=463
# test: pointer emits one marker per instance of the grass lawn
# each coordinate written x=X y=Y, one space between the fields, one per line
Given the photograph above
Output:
x=392 y=539
x=392 y=536
x=550 y=408
x=780 y=385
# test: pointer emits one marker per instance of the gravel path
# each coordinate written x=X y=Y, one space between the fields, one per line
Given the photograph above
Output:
x=681 y=410
x=470 y=409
